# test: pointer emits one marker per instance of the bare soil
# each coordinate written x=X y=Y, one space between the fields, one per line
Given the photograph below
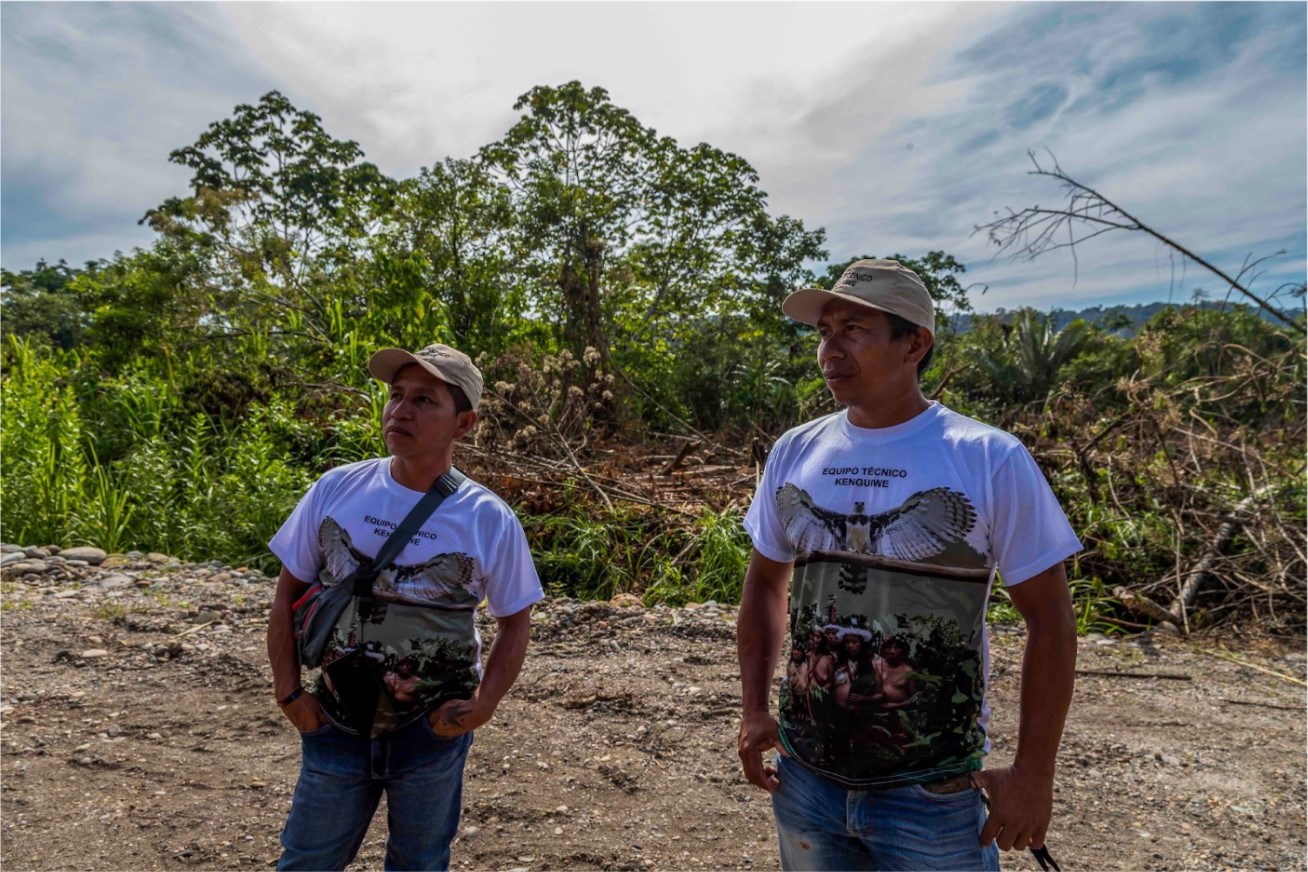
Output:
x=139 y=732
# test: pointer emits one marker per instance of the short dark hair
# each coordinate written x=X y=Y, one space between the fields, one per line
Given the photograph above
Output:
x=461 y=401
x=902 y=327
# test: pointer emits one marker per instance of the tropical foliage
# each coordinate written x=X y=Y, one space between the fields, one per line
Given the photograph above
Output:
x=621 y=291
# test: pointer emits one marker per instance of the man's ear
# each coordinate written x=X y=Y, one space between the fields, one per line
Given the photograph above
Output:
x=464 y=423
x=919 y=343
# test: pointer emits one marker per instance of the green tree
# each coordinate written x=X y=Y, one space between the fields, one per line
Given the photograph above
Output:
x=1017 y=359
x=135 y=306
x=277 y=209
x=38 y=304
x=578 y=167
x=449 y=226
x=624 y=233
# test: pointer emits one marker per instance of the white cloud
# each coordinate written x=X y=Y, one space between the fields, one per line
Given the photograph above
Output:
x=420 y=82
x=896 y=126
x=94 y=98
x=1215 y=159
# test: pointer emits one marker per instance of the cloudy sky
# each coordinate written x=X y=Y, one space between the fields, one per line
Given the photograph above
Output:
x=898 y=127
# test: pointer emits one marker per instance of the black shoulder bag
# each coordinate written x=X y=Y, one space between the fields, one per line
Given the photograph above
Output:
x=318 y=611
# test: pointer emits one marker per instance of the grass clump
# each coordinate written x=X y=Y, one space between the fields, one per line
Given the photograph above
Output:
x=642 y=553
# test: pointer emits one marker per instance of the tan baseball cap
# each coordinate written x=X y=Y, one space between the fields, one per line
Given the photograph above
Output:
x=448 y=364
x=886 y=285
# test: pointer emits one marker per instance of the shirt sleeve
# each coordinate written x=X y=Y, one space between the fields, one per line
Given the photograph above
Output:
x=512 y=583
x=296 y=543
x=1030 y=532
x=761 y=521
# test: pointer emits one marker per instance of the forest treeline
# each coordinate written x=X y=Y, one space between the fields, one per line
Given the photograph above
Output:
x=622 y=295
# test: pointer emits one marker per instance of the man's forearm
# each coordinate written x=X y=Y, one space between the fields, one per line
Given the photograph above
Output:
x=282 y=656
x=1048 y=673
x=760 y=629
x=505 y=659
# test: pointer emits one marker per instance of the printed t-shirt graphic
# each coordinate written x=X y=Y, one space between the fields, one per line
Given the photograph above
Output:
x=420 y=633
x=891 y=533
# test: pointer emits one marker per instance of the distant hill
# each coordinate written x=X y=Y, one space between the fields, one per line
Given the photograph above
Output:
x=1136 y=315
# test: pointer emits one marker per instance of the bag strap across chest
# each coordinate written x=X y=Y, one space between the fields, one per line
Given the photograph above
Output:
x=444 y=486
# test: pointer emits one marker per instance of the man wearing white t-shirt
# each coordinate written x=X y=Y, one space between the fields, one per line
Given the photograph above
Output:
x=402 y=685
x=893 y=518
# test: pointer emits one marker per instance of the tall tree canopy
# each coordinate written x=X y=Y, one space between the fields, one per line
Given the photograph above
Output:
x=623 y=233
x=278 y=209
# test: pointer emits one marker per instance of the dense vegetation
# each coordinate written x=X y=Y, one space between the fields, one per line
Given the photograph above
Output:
x=622 y=292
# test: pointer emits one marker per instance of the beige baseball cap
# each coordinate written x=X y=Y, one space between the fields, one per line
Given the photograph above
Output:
x=886 y=285
x=448 y=364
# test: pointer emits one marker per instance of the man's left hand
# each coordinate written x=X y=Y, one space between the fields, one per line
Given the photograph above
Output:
x=1021 y=804
x=458 y=716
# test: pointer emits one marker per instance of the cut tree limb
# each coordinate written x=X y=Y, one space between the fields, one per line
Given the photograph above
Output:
x=1226 y=655
x=1143 y=605
x=1202 y=573
x=1108 y=673
x=681 y=455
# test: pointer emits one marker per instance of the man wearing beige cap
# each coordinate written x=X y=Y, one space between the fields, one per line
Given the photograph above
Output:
x=402 y=685
x=894 y=516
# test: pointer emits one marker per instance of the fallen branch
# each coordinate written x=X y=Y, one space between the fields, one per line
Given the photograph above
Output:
x=1143 y=605
x=1108 y=673
x=681 y=455
x=1226 y=655
x=616 y=494
x=1202 y=573
x=197 y=628
x=1270 y=705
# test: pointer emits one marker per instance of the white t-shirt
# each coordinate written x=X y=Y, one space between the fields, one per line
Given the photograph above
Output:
x=421 y=632
x=896 y=534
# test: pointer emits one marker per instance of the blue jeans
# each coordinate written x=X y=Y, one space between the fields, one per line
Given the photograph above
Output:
x=341 y=781
x=823 y=826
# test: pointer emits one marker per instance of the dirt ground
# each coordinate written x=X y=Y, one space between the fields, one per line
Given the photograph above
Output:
x=139 y=732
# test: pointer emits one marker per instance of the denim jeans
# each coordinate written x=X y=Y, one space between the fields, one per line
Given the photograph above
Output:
x=823 y=826
x=341 y=781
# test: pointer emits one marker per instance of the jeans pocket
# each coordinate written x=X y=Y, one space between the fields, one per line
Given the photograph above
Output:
x=318 y=731
x=949 y=792
x=946 y=786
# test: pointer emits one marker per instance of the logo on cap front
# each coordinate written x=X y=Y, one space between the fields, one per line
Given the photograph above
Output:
x=852 y=277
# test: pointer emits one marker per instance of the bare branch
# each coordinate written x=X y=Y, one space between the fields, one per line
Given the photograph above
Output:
x=1029 y=233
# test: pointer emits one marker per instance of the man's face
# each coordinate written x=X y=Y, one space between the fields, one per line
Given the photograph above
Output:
x=833 y=638
x=815 y=640
x=853 y=646
x=419 y=419
x=859 y=360
x=894 y=653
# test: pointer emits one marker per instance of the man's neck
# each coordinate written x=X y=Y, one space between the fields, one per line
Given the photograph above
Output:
x=877 y=413
x=419 y=475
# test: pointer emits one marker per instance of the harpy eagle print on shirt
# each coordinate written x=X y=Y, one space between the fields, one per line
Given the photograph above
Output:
x=925 y=525
x=442 y=581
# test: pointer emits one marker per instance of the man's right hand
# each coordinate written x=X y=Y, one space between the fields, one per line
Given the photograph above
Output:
x=305 y=713
x=758 y=733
